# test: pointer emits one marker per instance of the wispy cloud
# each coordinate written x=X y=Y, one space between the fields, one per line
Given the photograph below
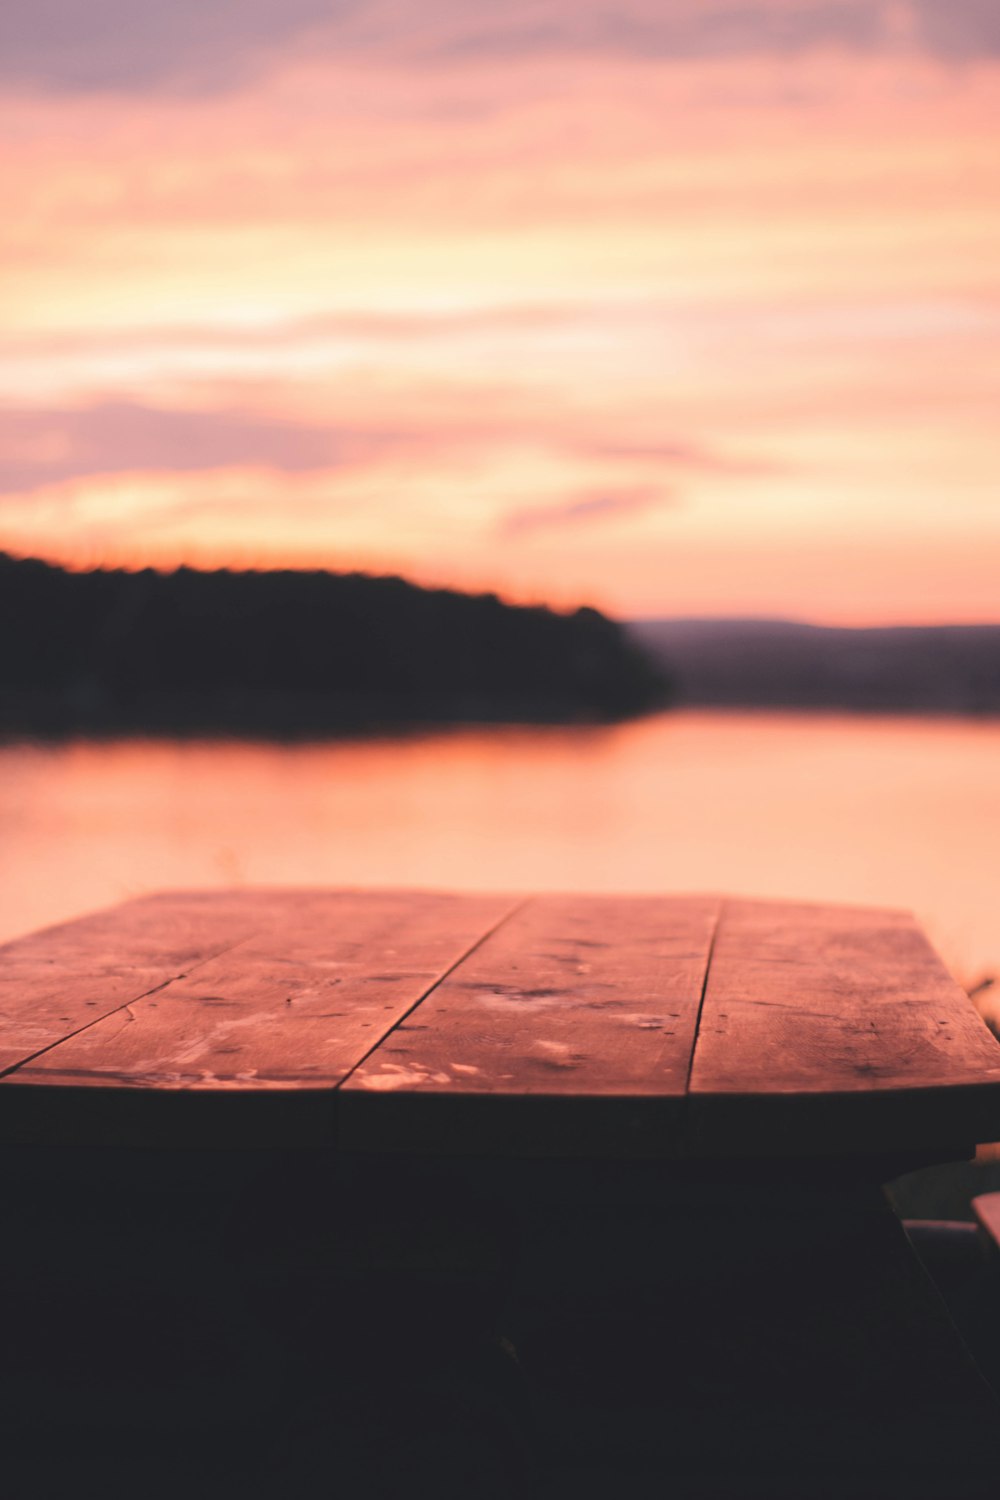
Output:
x=681 y=455
x=372 y=326
x=964 y=30
x=209 y=45
x=43 y=447
x=130 y=46
x=584 y=510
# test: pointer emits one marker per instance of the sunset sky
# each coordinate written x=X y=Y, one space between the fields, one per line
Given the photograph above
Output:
x=670 y=306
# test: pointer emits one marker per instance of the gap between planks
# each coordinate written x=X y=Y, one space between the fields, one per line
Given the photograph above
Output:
x=124 y=1006
x=500 y=922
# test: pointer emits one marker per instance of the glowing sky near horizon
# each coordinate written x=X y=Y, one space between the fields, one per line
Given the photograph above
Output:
x=674 y=308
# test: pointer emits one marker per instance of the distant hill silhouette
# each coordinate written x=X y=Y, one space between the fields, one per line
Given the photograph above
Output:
x=289 y=652
x=783 y=664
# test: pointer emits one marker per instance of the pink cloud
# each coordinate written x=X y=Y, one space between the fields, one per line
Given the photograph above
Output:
x=203 y=46
x=582 y=511
x=43 y=447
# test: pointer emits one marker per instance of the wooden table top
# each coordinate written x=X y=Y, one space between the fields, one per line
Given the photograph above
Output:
x=646 y=1026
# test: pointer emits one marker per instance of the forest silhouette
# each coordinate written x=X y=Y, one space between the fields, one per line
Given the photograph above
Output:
x=285 y=652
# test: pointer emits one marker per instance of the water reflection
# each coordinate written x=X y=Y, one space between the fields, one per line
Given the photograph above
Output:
x=892 y=811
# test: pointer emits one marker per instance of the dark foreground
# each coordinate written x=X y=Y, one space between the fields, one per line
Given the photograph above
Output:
x=265 y=1324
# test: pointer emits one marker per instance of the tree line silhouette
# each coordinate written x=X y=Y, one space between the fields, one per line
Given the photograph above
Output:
x=288 y=651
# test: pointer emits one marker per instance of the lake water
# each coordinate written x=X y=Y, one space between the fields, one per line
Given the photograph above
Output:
x=901 y=812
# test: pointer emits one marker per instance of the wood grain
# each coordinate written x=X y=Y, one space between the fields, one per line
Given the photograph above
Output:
x=291 y=1008
x=569 y=1026
x=828 y=1029
x=54 y=982
x=568 y=1031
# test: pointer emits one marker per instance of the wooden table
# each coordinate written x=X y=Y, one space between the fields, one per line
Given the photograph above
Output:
x=632 y=1143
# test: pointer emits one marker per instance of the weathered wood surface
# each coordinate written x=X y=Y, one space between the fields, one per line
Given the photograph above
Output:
x=835 y=1023
x=571 y=1003
x=315 y=982
x=629 y=1026
x=57 y=981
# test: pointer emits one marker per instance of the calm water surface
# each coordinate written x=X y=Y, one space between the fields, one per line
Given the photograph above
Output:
x=897 y=812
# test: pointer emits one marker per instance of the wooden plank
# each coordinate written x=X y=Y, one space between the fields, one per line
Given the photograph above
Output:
x=56 y=981
x=568 y=1032
x=986 y=1208
x=831 y=1029
x=288 y=1011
